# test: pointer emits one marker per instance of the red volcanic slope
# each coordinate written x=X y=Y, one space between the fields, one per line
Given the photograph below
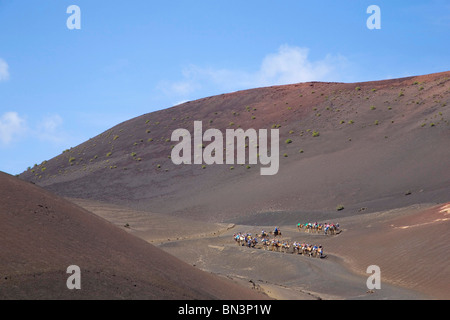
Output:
x=42 y=234
x=410 y=247
x=377 y=142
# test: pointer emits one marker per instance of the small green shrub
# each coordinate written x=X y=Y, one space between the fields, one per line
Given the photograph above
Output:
x=288 y=141
x=315 y=134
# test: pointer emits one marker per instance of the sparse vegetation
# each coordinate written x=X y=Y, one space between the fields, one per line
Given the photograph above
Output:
x=315 y=134
x=288 y=141
x=340 y=207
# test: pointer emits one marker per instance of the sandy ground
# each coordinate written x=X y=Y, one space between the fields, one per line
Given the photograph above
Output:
x=410 y=268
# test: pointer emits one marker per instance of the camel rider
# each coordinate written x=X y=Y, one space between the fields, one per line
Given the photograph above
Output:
x=276 y=231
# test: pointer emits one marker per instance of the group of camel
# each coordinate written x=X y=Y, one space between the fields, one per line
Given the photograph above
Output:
x=246 y=239
x=314 y=227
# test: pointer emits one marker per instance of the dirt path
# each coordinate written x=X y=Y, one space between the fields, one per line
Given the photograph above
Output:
x=341 y=275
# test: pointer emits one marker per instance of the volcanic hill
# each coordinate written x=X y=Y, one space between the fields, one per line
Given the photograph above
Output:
x=43 y=234
x=374 y=145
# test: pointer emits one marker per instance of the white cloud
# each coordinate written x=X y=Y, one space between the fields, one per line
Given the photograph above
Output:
x=48 y=129
x=4 y=72
x=288 y=65
x=14 y=127
x=291 y=65
x=11 y=127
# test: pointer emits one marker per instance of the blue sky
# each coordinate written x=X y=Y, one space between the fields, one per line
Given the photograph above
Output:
x=60 y=87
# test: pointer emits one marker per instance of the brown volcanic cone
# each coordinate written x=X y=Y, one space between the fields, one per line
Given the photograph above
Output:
x=381 y=145
x=42 y=234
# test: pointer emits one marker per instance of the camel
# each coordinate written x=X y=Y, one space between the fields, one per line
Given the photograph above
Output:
x=266 y=244
x=285 y=247
x=276 y=232
x=275 y=245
